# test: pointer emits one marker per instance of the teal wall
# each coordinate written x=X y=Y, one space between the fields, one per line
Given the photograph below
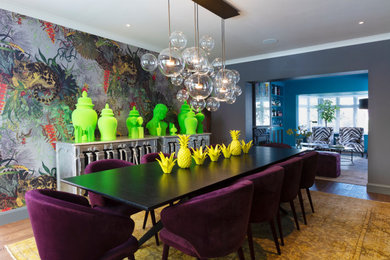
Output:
x=318 y=85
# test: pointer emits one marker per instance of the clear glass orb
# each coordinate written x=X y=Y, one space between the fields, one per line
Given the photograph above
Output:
x=207 y=43
x=206 y=68
x=185 y=73
x=178 y=40
x=217 y=64
x=232 y=76
x=237 y=90
x=170 y=62
x=194 y=58
x=212 y=104
x=177 y=80
x=231 y=99
x=199 y=86
x=148 y=62
x=237 y=75
x=197 y=104
x=222 y=92
x=182 y=95
x=222 y=78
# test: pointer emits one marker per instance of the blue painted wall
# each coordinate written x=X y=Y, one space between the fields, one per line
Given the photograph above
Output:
x=333 y=84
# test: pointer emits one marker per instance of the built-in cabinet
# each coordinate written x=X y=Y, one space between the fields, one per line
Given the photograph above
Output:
x=268 y=110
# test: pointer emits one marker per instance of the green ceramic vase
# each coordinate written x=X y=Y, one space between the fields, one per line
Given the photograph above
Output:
x=84 y=119
x=191 y=123
x=107 y=125
x=134 y=124
x=200 y=117
x=184 y=109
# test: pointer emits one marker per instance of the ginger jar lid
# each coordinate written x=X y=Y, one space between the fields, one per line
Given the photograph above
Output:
x=185 y=107
x=84 y=100
x=107 y=111
x=134 y=112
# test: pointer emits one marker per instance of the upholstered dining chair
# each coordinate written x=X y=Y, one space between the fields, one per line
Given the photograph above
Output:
x=309 y=170
x=66 y=227
x=266 y=199
x=103 y=203
x=277 y=145
x=210 y=225
x=290 y=188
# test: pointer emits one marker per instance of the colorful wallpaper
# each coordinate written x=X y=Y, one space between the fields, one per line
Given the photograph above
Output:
x=43 y=70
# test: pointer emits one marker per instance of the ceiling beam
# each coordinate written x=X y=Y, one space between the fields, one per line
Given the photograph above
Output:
x=218 y=7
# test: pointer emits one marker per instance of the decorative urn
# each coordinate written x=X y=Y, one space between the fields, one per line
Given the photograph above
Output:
x=107 y=124
x=84 y=119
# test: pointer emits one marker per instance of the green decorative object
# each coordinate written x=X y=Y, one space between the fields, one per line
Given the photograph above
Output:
x=184 y=109
x=200 y=117
x=191 y=123
x=107 y=124
x=134 y=124
x=172 y=129
x=327 y=111
x=156 y=126
x=84 y=119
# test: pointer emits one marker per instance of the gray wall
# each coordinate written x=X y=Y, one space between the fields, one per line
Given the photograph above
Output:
x=374 y=57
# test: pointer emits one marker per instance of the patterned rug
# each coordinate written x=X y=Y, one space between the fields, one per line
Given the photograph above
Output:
x=341 y=228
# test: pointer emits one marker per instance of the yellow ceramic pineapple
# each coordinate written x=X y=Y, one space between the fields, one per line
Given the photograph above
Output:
x=166 y=163
x=199 y=155
x=226 y=151
x=235 y=145
x=184 y=155
x=213 y=152
x=246 y=146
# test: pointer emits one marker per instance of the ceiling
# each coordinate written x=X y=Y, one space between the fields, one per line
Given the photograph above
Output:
x=298 y=26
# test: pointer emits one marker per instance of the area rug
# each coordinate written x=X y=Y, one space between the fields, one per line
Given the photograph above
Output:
x=341 y=228
x=351 y=173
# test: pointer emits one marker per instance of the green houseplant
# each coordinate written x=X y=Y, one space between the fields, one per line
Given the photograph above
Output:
x=327 y=111
x=299 y=134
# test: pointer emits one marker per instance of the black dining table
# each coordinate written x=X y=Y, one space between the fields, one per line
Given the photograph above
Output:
x=146 y=187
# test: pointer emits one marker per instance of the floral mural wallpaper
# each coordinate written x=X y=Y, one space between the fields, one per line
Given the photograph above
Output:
x=43 y=70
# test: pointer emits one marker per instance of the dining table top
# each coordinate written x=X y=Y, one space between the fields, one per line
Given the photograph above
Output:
x=146 y=187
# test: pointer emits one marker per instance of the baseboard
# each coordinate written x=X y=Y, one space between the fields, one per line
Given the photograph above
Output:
x=13 y=215
x=378 y=188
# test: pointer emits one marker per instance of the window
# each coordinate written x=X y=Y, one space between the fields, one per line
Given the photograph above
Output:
x=348 y=115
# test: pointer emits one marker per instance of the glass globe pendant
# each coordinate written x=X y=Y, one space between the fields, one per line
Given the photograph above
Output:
x=177 y=80
x=182 y=95
x=148 y=62
x=212 y=104
x=170 y=62
x=195 y=58
x=197 y=104
x=207 y=43
x=178 y=40
x=199 y=86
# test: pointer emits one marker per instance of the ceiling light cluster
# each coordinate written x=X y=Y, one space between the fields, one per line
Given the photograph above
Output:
x=207 y=83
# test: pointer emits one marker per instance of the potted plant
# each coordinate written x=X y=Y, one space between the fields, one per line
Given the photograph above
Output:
x=327 y=111
x=300 y=134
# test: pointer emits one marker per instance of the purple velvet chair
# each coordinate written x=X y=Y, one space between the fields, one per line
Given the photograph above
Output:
x=290 y=188
x=266 y=200
x=66 y=227
x=106 y=204
x=151 y=157
x=277 y=145
x=209 y=225
x=309 y=170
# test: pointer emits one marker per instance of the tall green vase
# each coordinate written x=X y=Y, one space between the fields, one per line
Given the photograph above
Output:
x=184 y=109
x=107 y=124
x=191 y=123
x=84 y=119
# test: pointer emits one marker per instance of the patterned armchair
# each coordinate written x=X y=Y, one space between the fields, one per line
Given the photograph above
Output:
x=322 y=135
x=352 y=137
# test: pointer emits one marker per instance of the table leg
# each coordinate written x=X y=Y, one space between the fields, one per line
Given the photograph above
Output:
x=150 y=233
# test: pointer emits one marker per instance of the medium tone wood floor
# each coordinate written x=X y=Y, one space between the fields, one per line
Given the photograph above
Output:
x=21 y=230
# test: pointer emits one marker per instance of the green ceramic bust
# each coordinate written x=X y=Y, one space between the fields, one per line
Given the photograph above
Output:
x=107 y=124
x=156 y=126
x=184 y=109
x=191 y=123
x=84 y=119
x=200 y=116
x=134 y=124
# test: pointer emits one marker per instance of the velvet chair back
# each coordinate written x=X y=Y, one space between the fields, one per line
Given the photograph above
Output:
x=277 y=145
x=151 y=157
x=309 y=169
x=102 y=165
x=210 y=225
x=66 y=227
x=292 y=178
x=266 y=194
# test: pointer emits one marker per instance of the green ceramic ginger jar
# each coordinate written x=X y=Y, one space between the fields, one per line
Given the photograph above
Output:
x=191 y=123
x=107 y=124
x=184 y=109
x=134 y=124
x=84 y=119
x=200 y=116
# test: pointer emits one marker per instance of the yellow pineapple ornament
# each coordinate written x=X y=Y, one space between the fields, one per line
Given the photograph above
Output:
x=235 y=145
x=246 y=146
x=184 y=158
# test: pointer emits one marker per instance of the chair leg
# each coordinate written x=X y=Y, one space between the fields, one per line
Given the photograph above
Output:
x=250 y=241
x=309 y=196
x=280 y=228
x=154 y=223
x=145 y=219
x=272 y=225
x=240 y=254
x=302 y=206
x=294 y=213
x=165 y=252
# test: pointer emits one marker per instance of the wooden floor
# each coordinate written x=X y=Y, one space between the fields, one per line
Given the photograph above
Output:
x=21 y=230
